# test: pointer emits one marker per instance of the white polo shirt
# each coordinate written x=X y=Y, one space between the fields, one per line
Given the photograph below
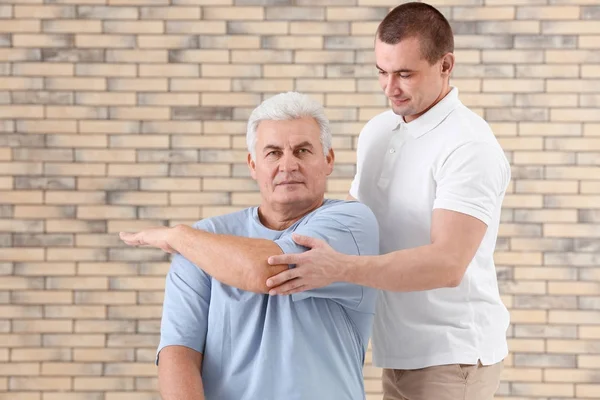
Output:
x=448 y=158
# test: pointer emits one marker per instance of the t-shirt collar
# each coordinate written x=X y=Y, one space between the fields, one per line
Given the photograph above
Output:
x=433 y=117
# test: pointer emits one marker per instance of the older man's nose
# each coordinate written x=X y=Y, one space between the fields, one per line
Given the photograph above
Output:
x=288 y=163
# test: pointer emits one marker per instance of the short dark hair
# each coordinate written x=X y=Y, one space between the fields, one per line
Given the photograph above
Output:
x=422 y=21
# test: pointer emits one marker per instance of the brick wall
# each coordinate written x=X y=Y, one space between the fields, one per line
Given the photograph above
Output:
x=121 y=114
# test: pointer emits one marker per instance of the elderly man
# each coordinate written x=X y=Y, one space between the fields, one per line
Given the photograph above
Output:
x=222 y=336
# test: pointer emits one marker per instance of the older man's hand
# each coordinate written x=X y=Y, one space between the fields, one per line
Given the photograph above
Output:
x=151 y=237
x=318 y=267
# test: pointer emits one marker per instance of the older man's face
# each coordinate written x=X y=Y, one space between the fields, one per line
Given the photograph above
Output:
x=290 y=167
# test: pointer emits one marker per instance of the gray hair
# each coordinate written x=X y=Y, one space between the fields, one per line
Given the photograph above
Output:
x=285 y=107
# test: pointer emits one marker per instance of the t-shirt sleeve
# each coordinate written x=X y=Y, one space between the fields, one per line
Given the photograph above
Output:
x=472 y=180
x=349 y=228
x=185 y=306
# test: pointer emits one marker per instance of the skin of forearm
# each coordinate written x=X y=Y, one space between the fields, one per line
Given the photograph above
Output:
x=420 y=268
x=180 y=379
x=236 y=261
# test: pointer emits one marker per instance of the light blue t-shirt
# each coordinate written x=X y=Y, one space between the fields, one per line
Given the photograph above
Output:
x=307 y=346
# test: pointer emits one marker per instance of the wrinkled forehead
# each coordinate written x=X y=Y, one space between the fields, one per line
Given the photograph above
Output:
x=288 y=133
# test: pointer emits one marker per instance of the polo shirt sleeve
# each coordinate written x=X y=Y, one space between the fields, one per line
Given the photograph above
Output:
x=350 y=228
x=472 y=180
x=185 y=307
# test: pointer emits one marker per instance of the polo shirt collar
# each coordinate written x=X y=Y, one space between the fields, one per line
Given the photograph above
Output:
x=433 y=117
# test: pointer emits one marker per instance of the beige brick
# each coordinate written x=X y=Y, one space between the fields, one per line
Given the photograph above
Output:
x=543 y=389
x=138 y=2
x=138 y=85
x=169 y=70
x=59 y=254
x=573 y=317
x=543 y=158
x=71 y=369
x=77 y=141
x=25 y=196
x=590 y=129
x=515 y=27
x=198 y=56
x=570 y=201
x=257 y=28
x=106 y=212
x=19 y=369
x=572 y=347
x=73 y=395
x=104 y=41
x=138 y=170
x=76 y=312
x=587 y=391
x=292 y=42
x=41 y=354
x=76 y=83
x=108 y=298
x=10 y=111
x=135 y=56
x=101 y=355
x=140 y=113
x=112 y=155
x=42 y=326
x=138 y=198
x=197 y=141
x=522 y=201
x=572 y=85
x=49 y=69
x=40 y=384
x=515 y=56
x=105 y=99
x=170 y=184
x=47 y=126
x=137 y=141
x=102 y=12
x=74 y=169
x=169 y=212
x=239 y=99
x=21 y=254
x=44 y=269
x=20 y=168
x=42 y=297
x=588 y=361
x=545 y=186
x=17 y=83
x=20 y=26
x=236 y=13
x=520 y=258
x=320 y=28
x=18 y=282
x=105 y=70
x=548 y=12
x=43 y=11
x=589 y=42
x=133 y=27
x=130 y=369
x=74 y=226
x=570 y=27
x=71 y=26
x=549 y=129
x=589 y=332
x=169 y=13
x=229 y=42
x=513 y=85
x=571 y=56
x=572 y=172
x=574 y=288
x=137 y=283
x=103 y=384
x=546 y=100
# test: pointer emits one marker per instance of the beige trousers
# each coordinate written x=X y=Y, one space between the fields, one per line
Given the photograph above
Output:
x=444 y=382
